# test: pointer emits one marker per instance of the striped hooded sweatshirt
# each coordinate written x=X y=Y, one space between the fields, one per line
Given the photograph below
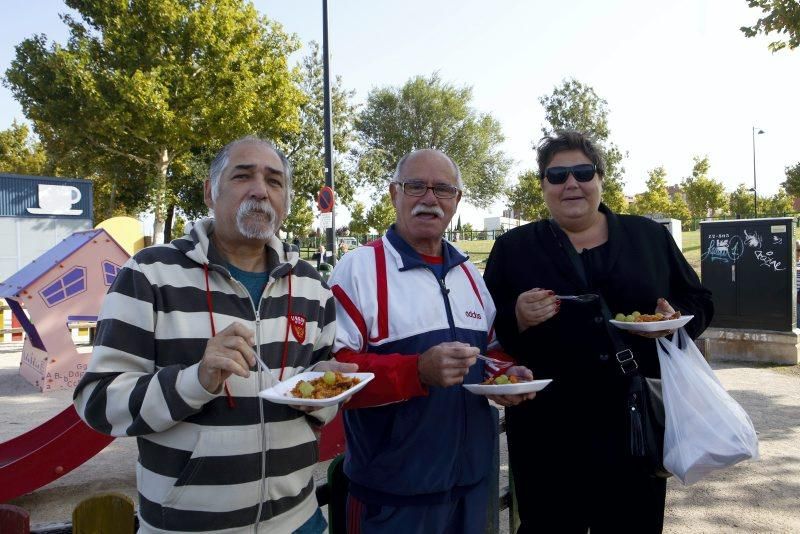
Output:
x=209 y=462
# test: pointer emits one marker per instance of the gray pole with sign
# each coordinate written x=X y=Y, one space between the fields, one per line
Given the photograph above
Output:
x=326 y=90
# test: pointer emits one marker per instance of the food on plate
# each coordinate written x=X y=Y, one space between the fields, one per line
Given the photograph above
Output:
x=501 y=380
x=637 y=317
x=328 y=385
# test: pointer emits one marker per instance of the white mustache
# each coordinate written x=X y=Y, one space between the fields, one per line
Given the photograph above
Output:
x=433 y=210
x=254 y=206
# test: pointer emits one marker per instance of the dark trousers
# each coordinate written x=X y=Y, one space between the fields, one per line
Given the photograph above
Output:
x=572 y=485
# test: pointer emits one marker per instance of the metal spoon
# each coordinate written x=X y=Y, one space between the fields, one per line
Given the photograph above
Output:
x=589 y=297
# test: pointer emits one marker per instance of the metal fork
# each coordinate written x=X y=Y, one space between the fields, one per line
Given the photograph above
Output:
x=589 y=297
x=499 y=363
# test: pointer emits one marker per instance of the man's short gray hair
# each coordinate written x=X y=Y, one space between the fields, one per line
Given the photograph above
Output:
x=221 y=160
x=404 y=159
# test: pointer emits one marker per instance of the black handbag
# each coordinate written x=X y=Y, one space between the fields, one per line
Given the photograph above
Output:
x=644 y=401
x=644 y=406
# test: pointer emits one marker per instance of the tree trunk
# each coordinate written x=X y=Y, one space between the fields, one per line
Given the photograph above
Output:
x=112 y=198
x=159 y=206
x=168 y=222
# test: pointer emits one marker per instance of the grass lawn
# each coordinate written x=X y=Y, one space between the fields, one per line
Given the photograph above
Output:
x=479 y=250
x=691 y=249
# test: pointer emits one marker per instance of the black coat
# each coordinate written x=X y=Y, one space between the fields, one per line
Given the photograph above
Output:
x=568 y=445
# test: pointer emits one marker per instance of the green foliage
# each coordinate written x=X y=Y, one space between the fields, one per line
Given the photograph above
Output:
x=781 y=203
x=679 y=210
x=526 y=197
x=139 y=85
x=792 y=183
x=703 y=194
x=358 y=219
x=429 y=113
x=20 y=153
x=654 y=201
x=574 y=105
x=299 y=220
x=741 y=202
x=178 y=227
x=305 y=147
x=781 y=17
x=467 y=228
x=381 y=215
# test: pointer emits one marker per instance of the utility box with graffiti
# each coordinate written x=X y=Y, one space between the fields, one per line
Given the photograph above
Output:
x=748 y=264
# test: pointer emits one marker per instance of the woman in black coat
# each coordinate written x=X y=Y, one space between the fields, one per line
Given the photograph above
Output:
x=569 y=447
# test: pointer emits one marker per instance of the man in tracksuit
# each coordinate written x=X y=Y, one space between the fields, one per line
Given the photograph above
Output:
x=411 y=309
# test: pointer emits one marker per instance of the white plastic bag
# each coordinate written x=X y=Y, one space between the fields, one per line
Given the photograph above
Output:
x=705 y=429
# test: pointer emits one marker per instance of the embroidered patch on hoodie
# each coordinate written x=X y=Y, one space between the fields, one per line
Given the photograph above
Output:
x=298 y=324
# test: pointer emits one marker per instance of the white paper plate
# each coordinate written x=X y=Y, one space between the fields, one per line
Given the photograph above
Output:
x=655 y=326
x=508 y=389
x=279 y=393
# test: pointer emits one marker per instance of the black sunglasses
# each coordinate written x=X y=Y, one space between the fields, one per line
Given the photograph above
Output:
x=583 y=173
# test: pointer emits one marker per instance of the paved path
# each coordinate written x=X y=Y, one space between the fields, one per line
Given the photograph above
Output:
x=752 y=497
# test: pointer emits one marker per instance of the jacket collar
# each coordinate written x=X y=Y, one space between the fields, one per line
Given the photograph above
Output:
x=197 y=246
x=408 y=258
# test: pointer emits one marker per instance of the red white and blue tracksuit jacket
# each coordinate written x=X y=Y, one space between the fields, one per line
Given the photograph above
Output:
x=408 y=443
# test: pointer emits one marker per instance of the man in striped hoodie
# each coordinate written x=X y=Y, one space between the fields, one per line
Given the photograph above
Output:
x=174 y=361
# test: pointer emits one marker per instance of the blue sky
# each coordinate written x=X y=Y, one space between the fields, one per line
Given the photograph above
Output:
x=679 y=77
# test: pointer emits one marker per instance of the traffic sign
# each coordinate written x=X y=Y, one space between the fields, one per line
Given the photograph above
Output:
x=325 y=200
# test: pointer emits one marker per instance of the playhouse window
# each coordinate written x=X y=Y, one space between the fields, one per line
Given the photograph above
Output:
x=69 y=285
x=110 y=271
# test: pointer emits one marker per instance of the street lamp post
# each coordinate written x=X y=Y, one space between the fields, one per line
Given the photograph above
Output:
x=755 y=193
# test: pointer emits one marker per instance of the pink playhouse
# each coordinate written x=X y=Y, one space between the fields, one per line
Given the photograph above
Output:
x=64 y=285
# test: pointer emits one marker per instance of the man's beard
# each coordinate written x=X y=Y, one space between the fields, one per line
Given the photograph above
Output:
x=250 y=220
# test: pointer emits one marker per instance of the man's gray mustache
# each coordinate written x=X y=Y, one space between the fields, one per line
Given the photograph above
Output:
x=246 y=208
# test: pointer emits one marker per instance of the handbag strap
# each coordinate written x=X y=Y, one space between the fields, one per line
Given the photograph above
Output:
x=624 y=355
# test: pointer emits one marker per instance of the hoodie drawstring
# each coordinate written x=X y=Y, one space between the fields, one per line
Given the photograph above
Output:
x=288 y=324
x=231 y=400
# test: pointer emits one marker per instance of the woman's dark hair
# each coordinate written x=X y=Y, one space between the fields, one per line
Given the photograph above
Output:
x=563 y=140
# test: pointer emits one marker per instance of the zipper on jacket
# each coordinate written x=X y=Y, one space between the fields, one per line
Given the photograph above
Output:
x=259 y=386
x=446 y=297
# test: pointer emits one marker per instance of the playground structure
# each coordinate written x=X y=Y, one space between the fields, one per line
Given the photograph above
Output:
x=64 y=286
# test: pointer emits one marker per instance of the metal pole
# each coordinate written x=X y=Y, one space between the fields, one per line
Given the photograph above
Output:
x=755 y=193
x=328 y=128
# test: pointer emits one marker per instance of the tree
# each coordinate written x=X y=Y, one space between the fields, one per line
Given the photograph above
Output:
x=792 y=183
x=141 y=91
x=679 y=210
x=740 y=202
x=526 y=197
x=305 y=147
x=358 y=219
x=575 y=106
x=381 y=215
x=703 y=195
x=19 y=152
x=654 y=201
x=779 y=204
x=429 y=113
x=781 y=17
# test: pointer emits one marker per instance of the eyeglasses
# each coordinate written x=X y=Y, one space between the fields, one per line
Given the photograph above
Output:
x=418 y=189
x=583 y=173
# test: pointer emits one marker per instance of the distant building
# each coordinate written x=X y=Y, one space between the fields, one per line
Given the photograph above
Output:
x=36 y=213
x=501 y=223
